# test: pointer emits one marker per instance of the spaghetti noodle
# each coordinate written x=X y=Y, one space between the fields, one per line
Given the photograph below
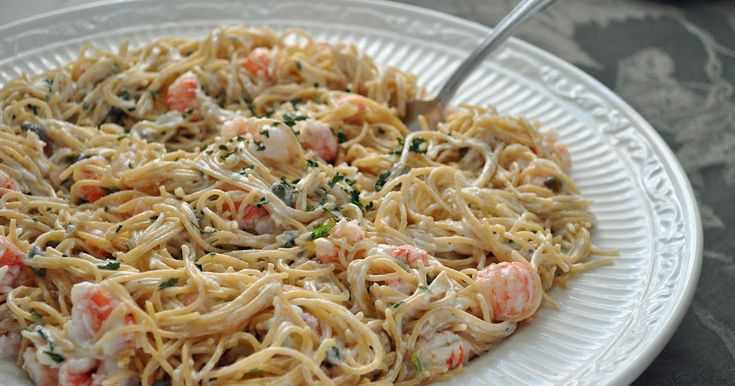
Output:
x=249 y=208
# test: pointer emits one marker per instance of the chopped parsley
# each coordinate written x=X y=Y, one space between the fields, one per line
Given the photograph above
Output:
x=370 y=206
x=125 y=95
x=397 y=305
x=416 y=147
x=355 y=197
x=382 y=179
x=58 y=358
x=261 y=202
x=223 y=147
x=170 y=282
x=86 y=106
x=298 y=65
x=153 y=218
x=253 y=370
x=36 y=316
x=399 y=148
x=321 y=231
x=311 y=163
x=251 y=107
x=290 y=243
x=290 y=119
x=187 y=113
x=416 y=360
x=117 y=230
x=265 y=133
x=425 y=288
x=111 y=265
x=259 y=145
x=333 y=355
x=403 y=264
x=337 y=178
x=341 y=137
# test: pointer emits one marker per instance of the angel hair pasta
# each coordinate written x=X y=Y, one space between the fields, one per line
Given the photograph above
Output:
x=250 y=208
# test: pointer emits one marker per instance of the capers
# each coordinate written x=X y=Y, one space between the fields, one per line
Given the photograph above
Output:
x=284 y=191
x=554 y=183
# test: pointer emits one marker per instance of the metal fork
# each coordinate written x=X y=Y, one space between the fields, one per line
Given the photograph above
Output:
x=433 y=110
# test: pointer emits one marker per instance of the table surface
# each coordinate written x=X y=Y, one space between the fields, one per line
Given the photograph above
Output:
x=674 y=62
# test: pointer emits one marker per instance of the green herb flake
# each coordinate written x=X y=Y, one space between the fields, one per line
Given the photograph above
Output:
x=254 y=370
x=337 y=178
x=403 y=264
x=86 y=106
x=111 y=266
x=341 y=137
x=311 y=163
x=290 y=119
x=265 y=133
x=298 y=65
x=321 y=231
x=416 y=147
x=125 y=95
x=259 y=145
x=397 y=305
x=416 y=360
x=56 y=357
x=199 y=266
x=370 y=206
x=425 y=288
x=355 y=198
x=223 y=147
x=316 y=85
x=170 y=282
x=117 y=230
x=382 y=179
x=153 y=218
x=290 y=243
x=36 y=316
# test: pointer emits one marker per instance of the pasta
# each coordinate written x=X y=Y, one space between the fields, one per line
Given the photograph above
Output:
x=250 y=208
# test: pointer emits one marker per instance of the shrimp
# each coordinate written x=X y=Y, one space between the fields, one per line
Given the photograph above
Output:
x=317 y=136
x=43 y=371
x=182 y=93
x=513 y=290
x=259 y=61
x=88 y=372
x=275 y=145
x=409 y=254
x=344 y=232
x=253 y=218
x=92 y=307
x=11 y=265
x=356 y=104
x=6 y=181
x=444 y=348
x=257 y=219
x=9 y=344
x=92 y=193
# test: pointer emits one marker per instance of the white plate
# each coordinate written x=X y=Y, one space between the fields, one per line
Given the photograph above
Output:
x=614 y=320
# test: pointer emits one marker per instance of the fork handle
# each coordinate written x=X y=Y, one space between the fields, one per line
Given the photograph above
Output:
x=522 y=12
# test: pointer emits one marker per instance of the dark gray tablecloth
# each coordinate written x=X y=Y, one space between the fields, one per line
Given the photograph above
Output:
x=674 y=62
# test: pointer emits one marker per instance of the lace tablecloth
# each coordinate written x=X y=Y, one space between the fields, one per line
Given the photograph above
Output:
x=674 y=62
